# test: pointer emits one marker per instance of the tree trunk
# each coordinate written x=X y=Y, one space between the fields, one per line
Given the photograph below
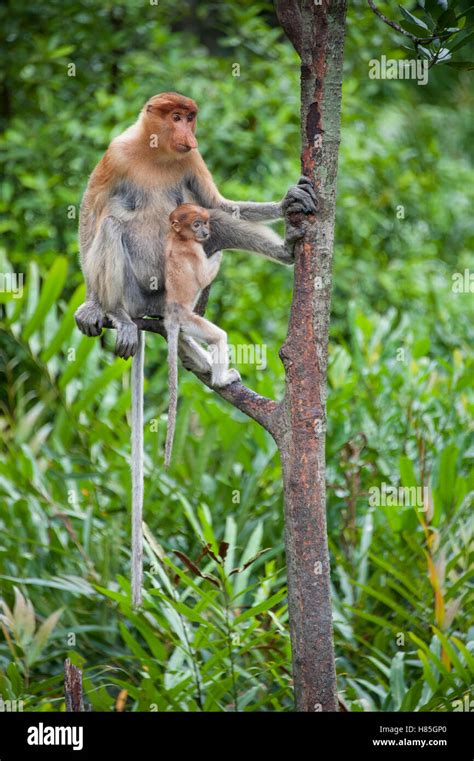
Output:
x=320 y=41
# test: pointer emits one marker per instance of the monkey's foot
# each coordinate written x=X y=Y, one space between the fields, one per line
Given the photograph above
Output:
x=90 y=318
x=293 y=234
x=194 y=357
x=127 y=339
x=225 y=379
x=287 y=255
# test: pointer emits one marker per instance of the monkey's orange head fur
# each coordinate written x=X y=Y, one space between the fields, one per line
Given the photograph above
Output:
x=190 y=221
x=173 y=118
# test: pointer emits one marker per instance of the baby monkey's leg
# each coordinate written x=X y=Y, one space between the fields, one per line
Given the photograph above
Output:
x=201 y=329
x=193 y=356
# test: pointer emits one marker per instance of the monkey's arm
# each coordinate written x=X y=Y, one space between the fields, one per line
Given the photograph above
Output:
x=228 y=232
x=252 y=211
x=213 y=265
x=299 y=198
x=110 y=287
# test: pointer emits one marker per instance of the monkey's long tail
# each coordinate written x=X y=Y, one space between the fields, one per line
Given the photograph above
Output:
x=173 y=333
x=137 y=471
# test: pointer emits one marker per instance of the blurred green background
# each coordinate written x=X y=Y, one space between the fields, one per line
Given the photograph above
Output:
x=400 y=400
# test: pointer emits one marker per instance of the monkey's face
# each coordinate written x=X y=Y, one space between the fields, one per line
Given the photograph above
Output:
x=173 y=117
x=191 y=227
x=190 y=222
x=181 y=127
x=200 y=229
x=175 y=131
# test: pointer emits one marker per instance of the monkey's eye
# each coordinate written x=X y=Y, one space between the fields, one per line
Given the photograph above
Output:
x=176 y=117
x=191 y=118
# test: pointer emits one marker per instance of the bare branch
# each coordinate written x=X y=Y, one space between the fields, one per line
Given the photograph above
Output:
x=390 y=23
x=400 y=29
x=261 y=409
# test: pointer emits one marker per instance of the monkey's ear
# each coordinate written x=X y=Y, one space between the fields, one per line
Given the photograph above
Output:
x=176 y=226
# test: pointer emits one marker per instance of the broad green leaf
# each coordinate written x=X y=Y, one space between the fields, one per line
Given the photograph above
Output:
x=261 y=607
x=24 y=618
x=407 y=472
x=253 y=546
x=132 y=643
x=41 y=637
x=391 y=603
x=460 y=41
x=414 y=20
x=51 y=288
x=91 y=393
x=66 y=327
x=446 y=474
x=435 y=7
x=16 y=679
x=446 y=19
x=402 y=576
x=76 y=365
x=468 y=65
x=453 y=656
x=468 y=656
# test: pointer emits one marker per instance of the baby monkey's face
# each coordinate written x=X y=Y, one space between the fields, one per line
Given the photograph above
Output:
x=200 y=229
x=190 y=222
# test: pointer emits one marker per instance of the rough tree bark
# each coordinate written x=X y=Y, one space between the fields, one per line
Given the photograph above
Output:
x=73 y=688
x=316 y=29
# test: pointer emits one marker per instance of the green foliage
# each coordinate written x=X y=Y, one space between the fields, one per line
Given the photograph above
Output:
x=436 y=29
x=213 y=631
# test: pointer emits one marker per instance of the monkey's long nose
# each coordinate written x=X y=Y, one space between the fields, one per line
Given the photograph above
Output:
x=191 y=141
x=187 y=146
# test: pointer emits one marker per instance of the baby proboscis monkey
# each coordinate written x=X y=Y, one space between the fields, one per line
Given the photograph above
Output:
x=187 y=272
